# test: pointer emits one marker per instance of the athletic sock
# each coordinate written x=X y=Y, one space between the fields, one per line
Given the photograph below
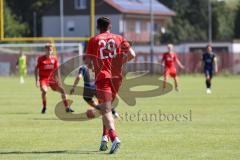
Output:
x=105 y=131
x=112 y=134
x=65 y=103
x=208 y=84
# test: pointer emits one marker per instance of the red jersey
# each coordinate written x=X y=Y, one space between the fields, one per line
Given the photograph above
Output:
x=46 y=66
x=169 y=59
x=105 y=52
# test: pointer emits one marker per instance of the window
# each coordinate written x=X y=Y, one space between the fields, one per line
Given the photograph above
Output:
x=80 y=4
x=125 y=26
x=149 y=26
x=138 y=27
x=70 y=26
x=121 y=26
x=154 y=28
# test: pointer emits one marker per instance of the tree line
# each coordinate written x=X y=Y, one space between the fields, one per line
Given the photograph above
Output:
x=189 y=24
x=191 y=21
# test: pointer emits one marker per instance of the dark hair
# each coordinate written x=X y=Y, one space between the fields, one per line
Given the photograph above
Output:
x=103 y=23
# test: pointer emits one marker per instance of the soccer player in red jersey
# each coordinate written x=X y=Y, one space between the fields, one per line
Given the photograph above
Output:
x=168 y=60
x=45 y=76
x=108 y=52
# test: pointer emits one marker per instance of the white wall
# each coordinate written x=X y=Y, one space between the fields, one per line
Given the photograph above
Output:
x=51 y=25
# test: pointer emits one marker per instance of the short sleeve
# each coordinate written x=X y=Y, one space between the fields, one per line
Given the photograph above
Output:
x=124 y=45
x=124 y=41
x=80 y=71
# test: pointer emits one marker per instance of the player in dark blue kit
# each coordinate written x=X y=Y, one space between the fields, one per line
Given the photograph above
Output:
x=210 y=66
x=89 y=90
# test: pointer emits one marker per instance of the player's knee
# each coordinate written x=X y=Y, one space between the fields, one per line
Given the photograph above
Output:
x=64 y=96
x=44 y=90
x=106 y=108
x=61 y=90
x=87 y=99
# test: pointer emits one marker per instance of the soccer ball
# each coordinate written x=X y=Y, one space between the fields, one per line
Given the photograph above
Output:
x=90 y=113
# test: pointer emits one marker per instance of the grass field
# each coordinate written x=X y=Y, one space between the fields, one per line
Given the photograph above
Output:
x=213 y=133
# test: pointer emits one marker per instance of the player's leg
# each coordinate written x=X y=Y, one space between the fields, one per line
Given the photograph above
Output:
x=90 y=102
x=44 y=88
x=173 y=74
x=165 y=78
x=175 y=78
x=208 y=81
x=104 y=95
x=21 y=74
x=108 y=125
x=88 y=94
x=116 y=83
x=105 y=138
x=166 y=75
x=108 y=122
x=115 y=113
x=61 y=90
x=176 y=81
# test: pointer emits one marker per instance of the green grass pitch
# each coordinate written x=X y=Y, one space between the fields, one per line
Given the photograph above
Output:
x=212 y=133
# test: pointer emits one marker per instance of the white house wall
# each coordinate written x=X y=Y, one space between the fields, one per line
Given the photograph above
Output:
x=51 y=25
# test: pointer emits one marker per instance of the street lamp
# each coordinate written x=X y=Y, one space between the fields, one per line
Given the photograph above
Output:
x=210 y=19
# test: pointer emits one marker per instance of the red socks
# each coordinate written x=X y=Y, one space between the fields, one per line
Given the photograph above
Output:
x=65 y=103
x=105 y=131
x=112 y=134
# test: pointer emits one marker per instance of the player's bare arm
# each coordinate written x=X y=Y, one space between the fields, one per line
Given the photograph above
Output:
x=36 y=76
x=215 y=64
x=58 y=77
x=17 y=64
x=88 y=62
x=162 y=62
x=180 y=64
x=131 y=54
x=76 y=81
x=128 y=51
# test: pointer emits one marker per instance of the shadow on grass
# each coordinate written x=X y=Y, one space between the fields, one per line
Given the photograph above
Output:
x=50 y=152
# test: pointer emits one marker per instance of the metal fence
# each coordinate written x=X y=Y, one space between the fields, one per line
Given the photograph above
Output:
x=227 y=62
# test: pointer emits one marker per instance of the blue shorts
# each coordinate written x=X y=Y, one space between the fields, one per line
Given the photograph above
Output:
x=89 y=92
x=208 y=73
